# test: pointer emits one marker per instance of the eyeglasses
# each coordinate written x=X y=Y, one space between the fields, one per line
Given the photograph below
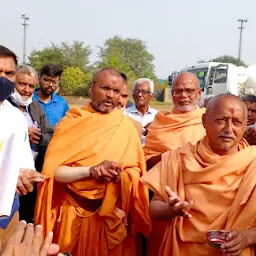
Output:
x=143 y=92
x=49 y=81
x=188 y=91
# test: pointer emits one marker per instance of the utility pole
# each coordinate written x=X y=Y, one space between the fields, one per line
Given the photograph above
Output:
x=25 y=24
x=241 y=28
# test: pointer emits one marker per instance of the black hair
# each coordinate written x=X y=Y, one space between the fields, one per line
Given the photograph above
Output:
x=5 y=52
x=249 y=98
x=51 y=70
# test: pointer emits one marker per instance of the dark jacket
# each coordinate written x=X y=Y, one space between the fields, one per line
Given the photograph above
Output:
x=28 y=202
x=38 y=115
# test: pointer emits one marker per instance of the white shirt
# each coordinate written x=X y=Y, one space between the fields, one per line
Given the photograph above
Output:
x=142 y=119
x=15 y=153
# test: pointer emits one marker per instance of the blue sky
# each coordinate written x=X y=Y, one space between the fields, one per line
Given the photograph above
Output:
x=177 y=33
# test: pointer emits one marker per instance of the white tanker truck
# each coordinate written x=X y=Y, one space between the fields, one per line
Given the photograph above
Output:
x=216 y=78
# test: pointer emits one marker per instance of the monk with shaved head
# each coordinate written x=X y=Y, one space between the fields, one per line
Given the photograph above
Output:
x=208 y=186
x=171 y=130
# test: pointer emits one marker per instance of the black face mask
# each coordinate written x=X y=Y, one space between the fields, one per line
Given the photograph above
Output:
x=6 y=88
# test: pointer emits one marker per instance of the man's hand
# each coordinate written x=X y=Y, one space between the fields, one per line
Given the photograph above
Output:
x=27 y=241
x=250 y=136
x=26 y=181
x=145 y=129
x=177 y=207
x=239 y=241
x=106 y=171
x=34 y=135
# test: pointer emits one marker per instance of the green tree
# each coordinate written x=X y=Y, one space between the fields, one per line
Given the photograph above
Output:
x=226 y=59
x=73 y=79
x=129 y=52
x=230 y=59
x=114 y=60
x=52 y=54
x=74 y=55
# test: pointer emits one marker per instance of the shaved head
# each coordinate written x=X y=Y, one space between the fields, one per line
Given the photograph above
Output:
x=186 y=92
x=216 y=102
x=187 y=76
x=225 y=121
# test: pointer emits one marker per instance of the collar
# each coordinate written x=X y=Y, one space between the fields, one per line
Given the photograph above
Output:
x=133 y=109
x=53 y=99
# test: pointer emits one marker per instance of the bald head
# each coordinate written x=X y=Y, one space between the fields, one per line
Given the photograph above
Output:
x=186 y=76
x=217 y=102
x=225 y=121
x=185 y=92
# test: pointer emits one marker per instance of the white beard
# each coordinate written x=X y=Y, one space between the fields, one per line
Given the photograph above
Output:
x=186 y=108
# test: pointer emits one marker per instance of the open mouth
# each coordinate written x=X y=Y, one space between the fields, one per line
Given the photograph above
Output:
x=108 y=104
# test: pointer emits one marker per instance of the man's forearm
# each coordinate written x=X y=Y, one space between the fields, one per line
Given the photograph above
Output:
x=160 y=210
x=67 y=174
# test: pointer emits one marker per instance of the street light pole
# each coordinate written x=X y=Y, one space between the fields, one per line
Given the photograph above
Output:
x=25 y=24
x=241 y=28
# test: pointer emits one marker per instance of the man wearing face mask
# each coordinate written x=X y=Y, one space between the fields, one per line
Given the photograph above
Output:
x=40 y=132
x=14 y=148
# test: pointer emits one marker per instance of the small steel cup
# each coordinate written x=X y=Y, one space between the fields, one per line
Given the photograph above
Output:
x=216 y=238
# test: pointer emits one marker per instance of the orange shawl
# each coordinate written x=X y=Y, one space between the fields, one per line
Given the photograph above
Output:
x=221 y=186
x=85 y=137
x=171 y=130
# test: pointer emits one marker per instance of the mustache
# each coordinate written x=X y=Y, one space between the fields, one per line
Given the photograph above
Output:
x=227 y=135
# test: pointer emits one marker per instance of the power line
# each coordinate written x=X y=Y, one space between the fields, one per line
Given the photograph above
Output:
x=25 y=24
x=241 y=28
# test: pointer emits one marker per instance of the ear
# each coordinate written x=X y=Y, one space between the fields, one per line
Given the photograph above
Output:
x=204 y=120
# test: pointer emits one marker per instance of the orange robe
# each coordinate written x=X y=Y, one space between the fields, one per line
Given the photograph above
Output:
x=171 y=130
x=90 y=217
x=222 y=188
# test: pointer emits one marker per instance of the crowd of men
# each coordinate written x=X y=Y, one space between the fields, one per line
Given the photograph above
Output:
x=106 y=179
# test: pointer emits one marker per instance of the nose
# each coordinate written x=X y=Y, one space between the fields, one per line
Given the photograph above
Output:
x=26 y=88
x=184 y=94
x=229 y=126
x=110 y=94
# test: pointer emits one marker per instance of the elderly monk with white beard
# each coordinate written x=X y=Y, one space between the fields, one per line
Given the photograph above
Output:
x=172 y=129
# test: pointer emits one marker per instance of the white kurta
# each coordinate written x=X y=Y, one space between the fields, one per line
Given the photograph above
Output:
x=15 y=153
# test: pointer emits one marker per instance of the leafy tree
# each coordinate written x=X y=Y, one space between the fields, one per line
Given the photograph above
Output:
x=129 y=54
x=75 y=55
x=52 y=54
x=72 y=79
x=114 y=60
x=229 y=59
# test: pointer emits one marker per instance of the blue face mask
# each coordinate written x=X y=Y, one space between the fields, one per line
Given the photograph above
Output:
x=6 y=88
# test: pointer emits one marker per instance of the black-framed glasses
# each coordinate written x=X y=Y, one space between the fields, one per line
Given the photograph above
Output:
x=188 y=91
x=49 y=81
x=143 y=92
